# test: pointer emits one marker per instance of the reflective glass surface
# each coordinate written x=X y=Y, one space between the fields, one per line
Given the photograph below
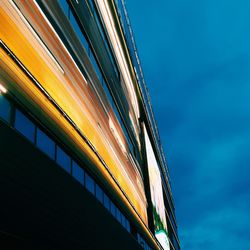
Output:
x=45 y=143
x=24 y=125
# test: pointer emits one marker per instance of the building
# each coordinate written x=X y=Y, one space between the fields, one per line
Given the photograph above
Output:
x=81 y=164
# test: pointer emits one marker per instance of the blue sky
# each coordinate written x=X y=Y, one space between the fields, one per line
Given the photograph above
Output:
x=196 y=61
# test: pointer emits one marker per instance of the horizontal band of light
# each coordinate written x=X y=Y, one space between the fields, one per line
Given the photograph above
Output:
x=59 y=39
x=36 y=36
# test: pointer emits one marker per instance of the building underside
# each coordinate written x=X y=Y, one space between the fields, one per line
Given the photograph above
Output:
x=81 y=162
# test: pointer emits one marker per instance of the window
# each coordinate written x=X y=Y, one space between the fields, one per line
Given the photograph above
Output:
x=65 y=7
x=99 y=193
x=63 y=159
x=107 y=92
x=118 y=215
x=91 y=4
x=95 y=65
x=89 y=183
x=128 y=226
x=77 y=172
x=78 y=32
x=106 y=202
x=27 y=128
x=123 y=219
x=24 y=126
x=113 y=208
x=100 y=27
x=46 y=144
x=4 y=109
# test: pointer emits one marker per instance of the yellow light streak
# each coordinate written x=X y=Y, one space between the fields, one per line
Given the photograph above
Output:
x=36 y=36
x=55 y=33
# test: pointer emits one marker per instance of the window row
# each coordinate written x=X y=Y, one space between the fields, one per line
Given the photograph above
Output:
x=100 y=27
x=67 y=11
x=47 y=145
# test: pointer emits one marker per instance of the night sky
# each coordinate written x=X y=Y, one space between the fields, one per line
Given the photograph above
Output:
x=196 y=61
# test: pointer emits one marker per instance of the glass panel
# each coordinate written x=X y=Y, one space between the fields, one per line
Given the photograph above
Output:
x=65 y=7
x=123 y=220
x=118 y=215
x=45 y=143
x=101 y=31
x=106 y=201
x=89 y=183
x=84 y=42
x=128 y=226
x=99 y=193
x=96 y=66
x=100 y=27
x=91 y=4
x=4 y=109
x=63 y=159
x=107 y=92
x=79 y=32
x=77 y=172
x=113 y=209
x=25 y=126
x=138 y=237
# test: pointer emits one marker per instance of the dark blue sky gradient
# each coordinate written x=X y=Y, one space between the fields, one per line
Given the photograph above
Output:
x=196 y=61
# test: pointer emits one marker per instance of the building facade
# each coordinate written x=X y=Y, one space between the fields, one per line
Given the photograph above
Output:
x=81 y=162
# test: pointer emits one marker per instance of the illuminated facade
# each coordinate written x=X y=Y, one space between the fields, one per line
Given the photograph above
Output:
x=80 y=150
